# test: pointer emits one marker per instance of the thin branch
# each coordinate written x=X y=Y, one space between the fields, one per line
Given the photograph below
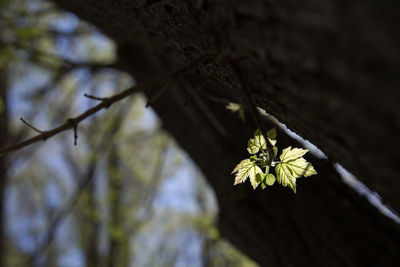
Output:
x=74 y=126
x=31 y=126
x=253 y=107
x=95 y=97
x=72 y=123
x=105 y=100
x=67 y=63
x=74 y=33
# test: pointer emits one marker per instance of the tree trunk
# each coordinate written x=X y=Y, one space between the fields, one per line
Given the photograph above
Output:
x=327 y=69
x=116 y=238
x=92 y=221
x=3 y=160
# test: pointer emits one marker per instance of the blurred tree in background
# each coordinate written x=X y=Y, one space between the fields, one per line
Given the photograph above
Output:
x=126 y=195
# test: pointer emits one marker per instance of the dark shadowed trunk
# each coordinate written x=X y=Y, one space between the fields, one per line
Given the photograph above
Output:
x=327 y=69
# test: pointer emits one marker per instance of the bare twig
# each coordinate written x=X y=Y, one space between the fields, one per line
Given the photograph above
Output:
x=253 y=107
x=95 y=97
x=31 y=126
x=74 y=126
x=72 y=123
x=105 y=100
x=67 y=63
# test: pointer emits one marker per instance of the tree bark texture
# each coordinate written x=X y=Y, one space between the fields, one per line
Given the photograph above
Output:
x=327 y=69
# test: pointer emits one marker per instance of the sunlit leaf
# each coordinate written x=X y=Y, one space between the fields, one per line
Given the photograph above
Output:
x=256 y=143
x=263 y=185
x=300 y=167
x=270 y=179
x=285 y=177
x=293 y=166
x=289 y=154
x=247 y=168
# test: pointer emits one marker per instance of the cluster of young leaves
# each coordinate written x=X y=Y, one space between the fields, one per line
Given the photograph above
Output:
x=263 y=158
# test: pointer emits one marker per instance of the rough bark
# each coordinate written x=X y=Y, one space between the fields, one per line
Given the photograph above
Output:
x=327 y=69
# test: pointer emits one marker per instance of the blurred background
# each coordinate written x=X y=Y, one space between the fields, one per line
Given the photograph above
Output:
x=125 y=195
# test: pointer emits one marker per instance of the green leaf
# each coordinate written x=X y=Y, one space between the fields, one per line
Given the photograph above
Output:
x=260 y=177
x=300 y=167
x=270 y=179
x=247 y=168
x=289 y=154
x=293 y=166
x=275 y=150
x=263 y=185
x=256 y=143
x=285 y=177
x=253 y=158
x=271 y=135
